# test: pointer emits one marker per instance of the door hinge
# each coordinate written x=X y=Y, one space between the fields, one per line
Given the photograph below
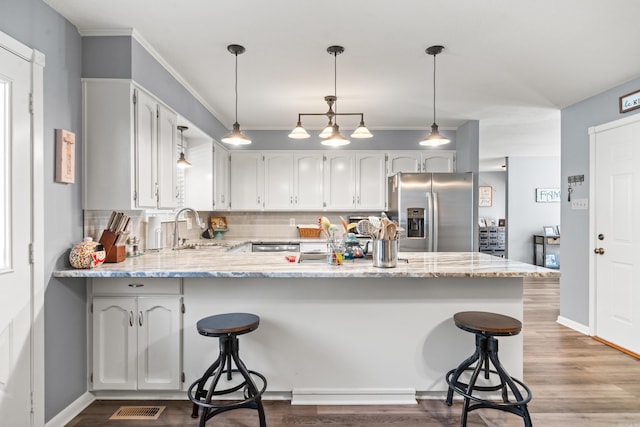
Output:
x=91 y=378
x=31 y=103
x=183 y=378
x=135 y=97
x=91 y=308
x=135 y=195
x=183 y=308
x=31 y=396
x=31 y=260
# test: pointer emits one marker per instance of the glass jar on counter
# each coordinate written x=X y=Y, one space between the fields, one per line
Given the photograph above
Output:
x=87 y=254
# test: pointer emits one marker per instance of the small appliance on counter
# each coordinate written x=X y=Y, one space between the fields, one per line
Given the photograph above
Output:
x=154 y=233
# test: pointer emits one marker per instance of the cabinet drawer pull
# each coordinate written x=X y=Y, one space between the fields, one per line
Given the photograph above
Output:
x=140 y=319
x=130 y=318
x=135 y=285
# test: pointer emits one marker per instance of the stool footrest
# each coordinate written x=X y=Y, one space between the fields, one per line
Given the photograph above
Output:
x=460 y=388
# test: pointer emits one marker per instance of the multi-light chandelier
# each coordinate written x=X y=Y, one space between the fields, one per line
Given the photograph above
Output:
x=331 y=133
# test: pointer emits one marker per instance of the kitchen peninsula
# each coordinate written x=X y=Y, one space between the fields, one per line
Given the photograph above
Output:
x=350 y=334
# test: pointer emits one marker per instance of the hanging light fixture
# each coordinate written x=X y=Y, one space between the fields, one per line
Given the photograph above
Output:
x=331 y=133
x=182 y=161
x=236 y=137
x=434 y=138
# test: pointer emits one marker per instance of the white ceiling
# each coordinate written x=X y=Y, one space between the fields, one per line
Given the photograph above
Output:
x=511 y=64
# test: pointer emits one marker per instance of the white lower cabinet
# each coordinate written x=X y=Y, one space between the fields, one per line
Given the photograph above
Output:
x=136 y=340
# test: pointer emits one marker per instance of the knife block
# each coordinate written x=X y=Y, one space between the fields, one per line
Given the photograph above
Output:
x=114 y=253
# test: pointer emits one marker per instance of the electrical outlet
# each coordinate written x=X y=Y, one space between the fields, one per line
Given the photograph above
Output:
x=292 y=222
x=579 y=204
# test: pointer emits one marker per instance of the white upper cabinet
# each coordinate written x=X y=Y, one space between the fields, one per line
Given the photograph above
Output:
x=221 y=196
x=339 y=180
x=370 y=179
x=439 y=161
x=421 y=161
x=278 y=180
x=198 y=179
x=129 y=139
x=308 y=180
x=247 y=180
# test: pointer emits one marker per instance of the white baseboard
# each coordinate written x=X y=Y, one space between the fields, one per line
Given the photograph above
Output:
x=71 y=411
x=308 y=396
x=578 y=327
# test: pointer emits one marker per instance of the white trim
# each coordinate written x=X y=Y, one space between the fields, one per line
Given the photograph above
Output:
x=71 y=411
x=14 y=46
x=578 y=327
x=154 y=53
x=360 y=396
x=593 y=132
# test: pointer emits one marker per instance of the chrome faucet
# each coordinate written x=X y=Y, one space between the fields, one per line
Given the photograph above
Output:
x=176 y=238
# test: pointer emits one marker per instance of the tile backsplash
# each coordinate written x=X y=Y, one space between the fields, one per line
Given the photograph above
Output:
x=240 y=225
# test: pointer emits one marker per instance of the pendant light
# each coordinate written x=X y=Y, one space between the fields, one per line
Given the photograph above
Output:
x=236 y=137
x=331 y=134
x=182 y=162
x=434 y=138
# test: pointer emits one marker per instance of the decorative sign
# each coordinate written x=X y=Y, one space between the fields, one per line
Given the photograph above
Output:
x=65 y=156
x=484 y=196
x=629 y=102
x=547 y=195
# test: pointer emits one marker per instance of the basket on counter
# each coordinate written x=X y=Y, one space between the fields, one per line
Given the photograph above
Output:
x=309 y=231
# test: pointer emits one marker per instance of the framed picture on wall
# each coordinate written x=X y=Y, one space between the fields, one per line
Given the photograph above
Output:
x=549 y=230
x=547 y=195
x=485 y=193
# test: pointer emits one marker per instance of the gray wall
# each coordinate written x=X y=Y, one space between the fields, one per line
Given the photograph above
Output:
x=526 y=217
x=576 y=253
x=498 y=182
x=467 y=160
x=38 y=26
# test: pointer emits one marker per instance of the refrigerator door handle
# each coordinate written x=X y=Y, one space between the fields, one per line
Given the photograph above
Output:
x=429 y=224
x=434 y=221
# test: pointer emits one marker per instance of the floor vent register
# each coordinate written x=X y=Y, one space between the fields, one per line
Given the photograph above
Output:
x=138 y=413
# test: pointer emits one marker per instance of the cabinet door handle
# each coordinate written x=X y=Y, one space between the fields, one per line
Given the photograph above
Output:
x=358 y=199
x=296 y=199
x=135 y=285
x=130 y=318
x=353 y=200
x=140 y=319
x=291 y=200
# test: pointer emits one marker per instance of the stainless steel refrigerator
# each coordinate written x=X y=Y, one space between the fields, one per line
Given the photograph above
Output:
x=435 y=209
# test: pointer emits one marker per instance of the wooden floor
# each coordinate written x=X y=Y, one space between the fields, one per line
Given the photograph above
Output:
x=575 y=380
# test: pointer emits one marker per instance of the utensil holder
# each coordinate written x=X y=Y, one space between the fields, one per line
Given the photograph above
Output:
x=115 y=253
x=385 y=253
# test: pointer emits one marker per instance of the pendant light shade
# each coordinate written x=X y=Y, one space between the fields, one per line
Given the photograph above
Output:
x=434 y=138
x=361 y=132
x=236 y=137
x=182 y=162
x=299 y=132
x=335 y=139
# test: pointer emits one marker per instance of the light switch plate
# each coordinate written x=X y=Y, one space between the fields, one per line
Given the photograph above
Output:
x=580 y=204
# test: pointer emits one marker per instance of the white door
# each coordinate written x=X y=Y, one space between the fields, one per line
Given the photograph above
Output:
x=247 y=181
x=278 y=180
x=146 y=128
x=114 y=343
x=220 y=178
x=438 y=161
x=159 y=327
x=371 y=180
x=339 y=181
x=617 y=232
x=166 y=167
x=404 y=161
x=15 y=237
x=307 y=175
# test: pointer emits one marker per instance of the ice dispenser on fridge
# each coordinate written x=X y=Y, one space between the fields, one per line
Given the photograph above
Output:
x=415 y=222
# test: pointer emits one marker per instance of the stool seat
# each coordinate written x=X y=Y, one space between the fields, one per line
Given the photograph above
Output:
x=488 y=324
x=228 y=324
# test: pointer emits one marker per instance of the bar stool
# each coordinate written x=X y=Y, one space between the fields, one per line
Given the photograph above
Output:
x=486 y=326
x=227 y=327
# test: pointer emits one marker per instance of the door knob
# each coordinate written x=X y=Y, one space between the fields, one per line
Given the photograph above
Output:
x=599 y=251
x=600 y=236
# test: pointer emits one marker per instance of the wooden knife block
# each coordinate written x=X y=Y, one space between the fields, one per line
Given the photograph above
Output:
x=113 y=253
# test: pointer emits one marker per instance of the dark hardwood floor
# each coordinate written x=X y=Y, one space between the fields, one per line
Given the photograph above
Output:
x=575 y=380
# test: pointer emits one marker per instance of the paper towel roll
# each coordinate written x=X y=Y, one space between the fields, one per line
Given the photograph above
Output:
x=154 y=233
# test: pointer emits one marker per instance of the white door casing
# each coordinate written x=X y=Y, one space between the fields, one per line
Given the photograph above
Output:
x=21 y=221
x=615 y=229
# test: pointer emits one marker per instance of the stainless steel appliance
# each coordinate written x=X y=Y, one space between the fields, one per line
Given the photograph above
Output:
x=275 y=247
x=435 y=209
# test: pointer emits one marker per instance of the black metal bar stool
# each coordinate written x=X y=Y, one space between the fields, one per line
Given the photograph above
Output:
x=227 y=327
x=486 y=326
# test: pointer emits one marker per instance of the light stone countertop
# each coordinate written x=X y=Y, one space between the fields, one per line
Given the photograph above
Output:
x=215 y=261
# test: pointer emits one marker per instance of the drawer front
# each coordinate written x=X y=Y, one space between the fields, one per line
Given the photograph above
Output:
x=137 y=286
